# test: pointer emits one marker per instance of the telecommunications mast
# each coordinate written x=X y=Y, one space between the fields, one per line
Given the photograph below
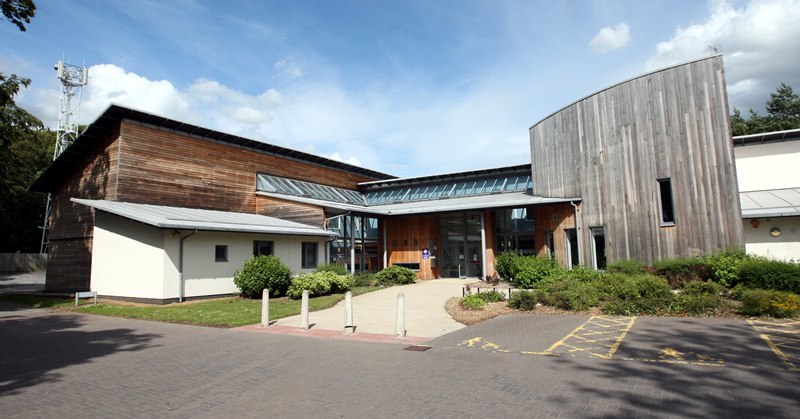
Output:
x=72 y=79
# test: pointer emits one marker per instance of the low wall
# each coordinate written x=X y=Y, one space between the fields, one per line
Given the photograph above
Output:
x=23 y=262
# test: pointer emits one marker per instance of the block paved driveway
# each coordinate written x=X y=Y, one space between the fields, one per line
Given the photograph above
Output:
x=58 y=364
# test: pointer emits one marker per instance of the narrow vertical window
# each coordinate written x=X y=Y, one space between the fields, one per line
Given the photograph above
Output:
x=309 y=255
x=665 y=198
x=221 y=253
x=573 y=257
x=599 y=247
x=549 y=243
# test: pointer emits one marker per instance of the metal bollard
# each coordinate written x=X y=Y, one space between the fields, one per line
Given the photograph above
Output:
x=304 y=311
x=348 y=313
x=265 y=308
x=400 y=326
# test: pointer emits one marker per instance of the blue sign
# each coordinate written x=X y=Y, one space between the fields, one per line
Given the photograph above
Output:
x=426 y=254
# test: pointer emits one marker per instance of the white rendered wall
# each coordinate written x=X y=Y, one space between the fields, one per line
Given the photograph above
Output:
x=127 y=258
x=768 y=166
x=758 y=241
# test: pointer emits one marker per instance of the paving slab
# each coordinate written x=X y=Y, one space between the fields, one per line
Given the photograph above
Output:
x=376 y=312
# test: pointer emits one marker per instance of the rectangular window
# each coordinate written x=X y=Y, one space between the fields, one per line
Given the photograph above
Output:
x=549 y=243
x=599 y=247
x=221 y=253
x=310 y=255
x=573 y=257
x=665 y=198
x=262 y=247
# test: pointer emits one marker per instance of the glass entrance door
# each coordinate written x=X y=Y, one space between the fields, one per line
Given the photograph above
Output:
x=460 y=239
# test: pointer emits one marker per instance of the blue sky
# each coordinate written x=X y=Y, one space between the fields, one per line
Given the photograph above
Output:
x=405 y=87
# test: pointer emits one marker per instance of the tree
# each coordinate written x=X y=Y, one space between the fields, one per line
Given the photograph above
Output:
x=19 y=12
x=783 y=113
x=26 y=148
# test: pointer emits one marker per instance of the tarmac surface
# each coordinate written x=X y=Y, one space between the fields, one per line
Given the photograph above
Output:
x=66 y=364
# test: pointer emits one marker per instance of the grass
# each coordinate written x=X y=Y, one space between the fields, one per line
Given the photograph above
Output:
x=226 y=312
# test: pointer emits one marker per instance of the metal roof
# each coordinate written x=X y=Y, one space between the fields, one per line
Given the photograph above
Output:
x=206 y=220
x=460 y=176
x=770 y=203
x=766 y=137
x=505 y=200
x=114 y=114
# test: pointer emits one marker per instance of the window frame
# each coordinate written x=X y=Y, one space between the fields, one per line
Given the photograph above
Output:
x=256 y=246
x=224 y=256
x=666 y=207
x=304 y=263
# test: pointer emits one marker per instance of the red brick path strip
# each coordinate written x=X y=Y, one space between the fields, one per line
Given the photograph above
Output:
x=334 y=334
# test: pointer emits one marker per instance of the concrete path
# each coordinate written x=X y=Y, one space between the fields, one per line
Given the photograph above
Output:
x=375 y=312
x=15 y=282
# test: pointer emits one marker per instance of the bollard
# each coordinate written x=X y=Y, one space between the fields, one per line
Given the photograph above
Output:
x=304 y=311
x=348 y=313
x=400 y=327
x=265 y=308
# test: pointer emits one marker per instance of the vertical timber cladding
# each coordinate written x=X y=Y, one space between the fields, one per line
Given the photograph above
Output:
x=166 y=168
x=407 y=236
x=555 y=218
x=611 y=148
x=69 y=253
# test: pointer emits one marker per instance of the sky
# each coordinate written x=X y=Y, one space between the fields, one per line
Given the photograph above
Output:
x=405 y=87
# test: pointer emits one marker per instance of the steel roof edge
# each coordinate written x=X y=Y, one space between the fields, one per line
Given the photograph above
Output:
x=767 y=137
x=526 y=167
x=155 y=221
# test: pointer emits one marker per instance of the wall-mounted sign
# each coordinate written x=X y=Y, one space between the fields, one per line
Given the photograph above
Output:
x=426 y=253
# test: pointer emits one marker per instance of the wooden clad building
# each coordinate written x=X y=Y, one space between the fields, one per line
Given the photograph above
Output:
x=652 y=161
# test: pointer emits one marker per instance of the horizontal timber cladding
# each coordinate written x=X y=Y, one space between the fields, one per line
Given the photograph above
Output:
x=69 y=249
x=166 y=168
x=407 y=236
x=293 y=211
x=611 y=149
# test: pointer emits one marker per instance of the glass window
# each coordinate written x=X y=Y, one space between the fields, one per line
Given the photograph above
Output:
x=263 y=247
x=599 y=247
x=479 y=185
x=310 y=255
x=511 y=183
x=665 y=198
x=221 y=253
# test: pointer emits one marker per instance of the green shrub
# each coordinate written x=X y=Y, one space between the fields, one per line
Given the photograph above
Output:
x=523 y=300
x=492 y=296
x=773 y=303
x=626 y=266
x=319 y=283
x=363 y=279
x=582 y=274
x=506 y=265
x=724 y=265
x=533 y=269
x=473 y=302
x=699 y=298
x=569 y=294
x=637 y=294
x=332 y=267
x=679 y=272
x=770 y=274
x=395 y=275
x=263 y=272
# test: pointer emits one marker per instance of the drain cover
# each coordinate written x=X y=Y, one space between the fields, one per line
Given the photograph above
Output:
x=417 y=348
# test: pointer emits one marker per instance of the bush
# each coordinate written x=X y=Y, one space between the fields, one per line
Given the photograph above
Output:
x=363 y=279
x=263 y=272
x=492 y=296
x=636 y=294
x=319 y=283
x=523 y=300
x=699 y=298
x=506 y=265
x=473 y=302
x=533 y=269
x=626 y=266
x=569 y=294
x=773 y=303
x=332 y=267
x=724 y=266
x=770 y=274
x=679 y=272
x=581 y=273
x=395 y=275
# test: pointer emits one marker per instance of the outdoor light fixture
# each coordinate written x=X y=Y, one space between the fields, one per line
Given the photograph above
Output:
x=775 y=232
x=754 y=223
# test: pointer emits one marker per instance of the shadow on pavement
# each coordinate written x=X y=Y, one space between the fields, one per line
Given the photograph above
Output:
x=34 y=347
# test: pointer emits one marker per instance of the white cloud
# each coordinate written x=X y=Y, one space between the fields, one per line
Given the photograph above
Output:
x=611 y=38
x=289 y=67
x=760 y=40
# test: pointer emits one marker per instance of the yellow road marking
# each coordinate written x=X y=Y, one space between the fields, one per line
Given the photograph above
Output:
x=778 y=335
x=779 y=353
x=584 y=331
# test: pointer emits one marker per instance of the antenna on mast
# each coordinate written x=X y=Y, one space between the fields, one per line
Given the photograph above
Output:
x=72 y=78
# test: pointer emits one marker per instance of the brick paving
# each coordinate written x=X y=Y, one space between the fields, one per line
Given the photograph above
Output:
x=58 y=364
